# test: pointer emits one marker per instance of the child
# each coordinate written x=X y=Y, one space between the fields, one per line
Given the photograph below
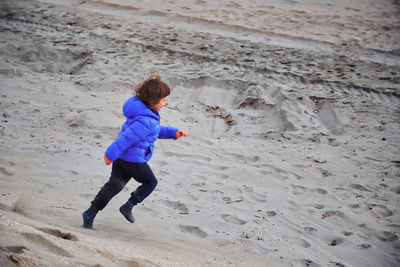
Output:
x=133 y=148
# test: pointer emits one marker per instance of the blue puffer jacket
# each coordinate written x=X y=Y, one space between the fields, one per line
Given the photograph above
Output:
x=135 y=142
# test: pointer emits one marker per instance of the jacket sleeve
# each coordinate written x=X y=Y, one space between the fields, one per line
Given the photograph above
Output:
x=132 y=134
x=167 y=132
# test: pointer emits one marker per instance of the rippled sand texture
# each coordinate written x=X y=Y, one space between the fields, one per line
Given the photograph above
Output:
x=293 y=115
x=367 y=24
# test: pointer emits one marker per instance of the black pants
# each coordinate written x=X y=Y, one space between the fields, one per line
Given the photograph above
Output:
x=122 y=172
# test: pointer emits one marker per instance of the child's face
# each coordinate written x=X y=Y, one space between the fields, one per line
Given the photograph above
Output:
x=163 y=102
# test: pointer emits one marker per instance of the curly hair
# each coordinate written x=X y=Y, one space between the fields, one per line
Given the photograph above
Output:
x=152 y=90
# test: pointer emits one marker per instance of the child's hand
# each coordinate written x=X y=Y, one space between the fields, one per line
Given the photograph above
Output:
x=180 y=134
x=106 y=160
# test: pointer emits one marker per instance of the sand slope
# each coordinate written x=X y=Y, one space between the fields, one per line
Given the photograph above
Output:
x=292 y=110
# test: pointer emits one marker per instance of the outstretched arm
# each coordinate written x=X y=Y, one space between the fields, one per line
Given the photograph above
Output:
x=167 y=132
x=180 y=133
x=170 y=133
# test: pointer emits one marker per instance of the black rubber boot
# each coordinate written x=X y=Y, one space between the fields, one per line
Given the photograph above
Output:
x=126 y=210
x=88 y=217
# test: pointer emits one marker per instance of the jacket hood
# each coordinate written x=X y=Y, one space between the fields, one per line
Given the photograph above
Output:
x=135 y=107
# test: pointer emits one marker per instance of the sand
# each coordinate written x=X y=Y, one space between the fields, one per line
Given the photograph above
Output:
x=292 y=110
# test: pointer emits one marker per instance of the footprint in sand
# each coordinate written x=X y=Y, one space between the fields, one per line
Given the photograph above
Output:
x=359 y=187
x=233 y=219
x=335 y=242
x=271 y=213
x=396 y=190
x=58 y=233
x=5 y=170
x=73 y=172
x=195 y=230
x=364 y=246
x=380 y=211
x=13 y=249
x=302 y=243
x=39 y=240
x=386 y=236
x=261 y=198
x=310 y=229
x=347 y=233
x=354 y=206
x=299 y=189
x=320 y=190
x=299 y=242
x=177 y=205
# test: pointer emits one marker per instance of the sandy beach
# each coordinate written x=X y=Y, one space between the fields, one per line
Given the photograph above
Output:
x=292 y=109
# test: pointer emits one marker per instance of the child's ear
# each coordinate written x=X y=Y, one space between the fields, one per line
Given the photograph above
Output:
x=153 y=103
